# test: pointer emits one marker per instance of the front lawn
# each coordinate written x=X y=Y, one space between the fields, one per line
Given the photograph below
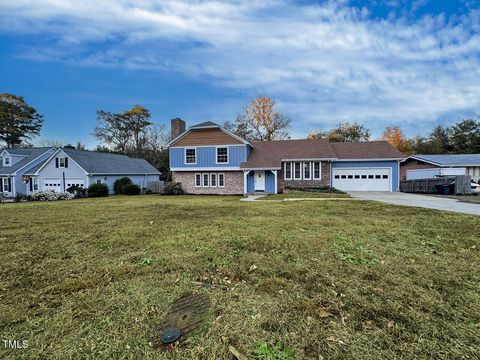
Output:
x=305 y=195
x=341 y=279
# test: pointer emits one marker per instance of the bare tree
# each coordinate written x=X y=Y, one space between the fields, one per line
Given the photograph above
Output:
x=259 y=121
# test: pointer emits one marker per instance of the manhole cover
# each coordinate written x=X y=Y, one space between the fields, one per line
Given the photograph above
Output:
x=185 y=315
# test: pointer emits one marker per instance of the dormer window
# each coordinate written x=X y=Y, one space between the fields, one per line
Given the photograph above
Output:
x=7 y=161
x=61 y=162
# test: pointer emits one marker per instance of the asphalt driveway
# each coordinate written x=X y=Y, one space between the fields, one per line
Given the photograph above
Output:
x=424 y=201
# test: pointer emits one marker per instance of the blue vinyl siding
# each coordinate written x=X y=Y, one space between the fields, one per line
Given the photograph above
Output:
x=269 y=182
x=372 y=164
x=207 y=157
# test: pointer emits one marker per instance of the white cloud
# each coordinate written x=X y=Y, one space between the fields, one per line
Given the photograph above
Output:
x=324 y=63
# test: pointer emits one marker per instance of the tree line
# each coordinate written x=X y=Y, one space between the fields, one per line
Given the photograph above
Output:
x=133 y=133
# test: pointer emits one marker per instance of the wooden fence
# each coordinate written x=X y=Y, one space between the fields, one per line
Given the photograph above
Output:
x=155 y=186
x=427 y=186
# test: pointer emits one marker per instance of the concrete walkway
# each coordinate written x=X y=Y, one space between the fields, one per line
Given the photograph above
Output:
x=423 y=201
x=252 y=197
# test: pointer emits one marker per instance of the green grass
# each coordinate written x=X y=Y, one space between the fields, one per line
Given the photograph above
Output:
x=304 y=195
x=344 y=280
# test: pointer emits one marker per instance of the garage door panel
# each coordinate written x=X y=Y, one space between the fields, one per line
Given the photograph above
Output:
x=365 y=179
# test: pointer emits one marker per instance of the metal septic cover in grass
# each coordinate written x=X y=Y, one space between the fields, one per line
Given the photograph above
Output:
x=185 y=315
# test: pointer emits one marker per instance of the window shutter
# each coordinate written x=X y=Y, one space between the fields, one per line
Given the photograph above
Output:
x=9 y=184
x=31 y=184
x=66 y=162
x=56 y=162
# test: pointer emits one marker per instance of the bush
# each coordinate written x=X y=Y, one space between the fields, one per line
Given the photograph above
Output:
x=173 y=189
x=77 y=191
x=131 y=189
x=97 y=190
x=119 y=185
x=22 y=197
x=51 y=196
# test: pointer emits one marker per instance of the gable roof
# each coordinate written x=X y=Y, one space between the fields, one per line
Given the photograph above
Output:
x=270 y=154
x=206 y=125
x=29 y=154
x=449 y=159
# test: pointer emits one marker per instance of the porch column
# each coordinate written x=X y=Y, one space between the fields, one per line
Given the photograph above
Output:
x=275 y=177
x=245 y=174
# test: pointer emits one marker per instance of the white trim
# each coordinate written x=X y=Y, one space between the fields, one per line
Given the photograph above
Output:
x=365 y=160
x=64 y=162
x=216 y=154
x=4 y=151
x=24 y=166
x=245 y=177
x=218 y=180
x=294 y=171
x=205 y=146
x=275 y=179
x=263 y=168
x=9 y=157
x=319 y=170
x=55 y=154
x=203 y=180
x=212 y=176
x=190 y=129
x=311 y=159
x=389 y=168
x=185 y=155
x=285 y=164
x=221 y=168
x=195 y=181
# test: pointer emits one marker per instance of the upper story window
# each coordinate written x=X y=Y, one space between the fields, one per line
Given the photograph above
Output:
x=222 y=155
x=191 y=156
x=7 y=161
x=61 y=162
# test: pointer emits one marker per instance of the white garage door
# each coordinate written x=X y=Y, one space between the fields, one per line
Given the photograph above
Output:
x=367 y=179
x=73 y=181
x=52 y=184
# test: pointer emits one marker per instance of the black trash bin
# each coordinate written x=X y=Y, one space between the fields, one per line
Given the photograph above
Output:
x=443 y=189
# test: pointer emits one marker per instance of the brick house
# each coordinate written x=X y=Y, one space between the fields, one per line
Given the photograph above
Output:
x=208 y=159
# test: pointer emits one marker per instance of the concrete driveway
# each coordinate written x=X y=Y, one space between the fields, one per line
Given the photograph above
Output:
x=423 y=201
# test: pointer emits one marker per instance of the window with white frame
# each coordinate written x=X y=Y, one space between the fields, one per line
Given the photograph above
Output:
x=190 y=156
x=288 y=171
x=221 y=180
x=206 y=181
x=61 y=162
x=297 y=173
x=222 y=155
x=307 y=173
x=316 y=170
x=213 y=180
x=7 y=161
x=6 y=185
x=198 y=180
x=35 y=184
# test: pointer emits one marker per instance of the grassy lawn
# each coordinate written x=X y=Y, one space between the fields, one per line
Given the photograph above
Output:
x=345 y=280
x=304 y=194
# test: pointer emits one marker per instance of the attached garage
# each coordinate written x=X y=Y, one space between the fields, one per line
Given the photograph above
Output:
x=365 y=179
x=74 y=181
x=54 y=184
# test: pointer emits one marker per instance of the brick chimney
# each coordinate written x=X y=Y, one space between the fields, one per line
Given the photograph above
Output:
x=177 y=126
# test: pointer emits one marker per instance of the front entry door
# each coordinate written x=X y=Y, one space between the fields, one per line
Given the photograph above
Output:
x=259 y=180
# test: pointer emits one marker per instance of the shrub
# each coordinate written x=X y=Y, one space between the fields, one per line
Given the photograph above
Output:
x=97 y=190
x=119 y=185
x=22 y=197
x=131 y=189
x=77 y=191
x=51 y=196
x=173 y=189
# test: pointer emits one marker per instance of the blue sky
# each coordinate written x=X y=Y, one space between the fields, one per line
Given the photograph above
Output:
x=391 y=62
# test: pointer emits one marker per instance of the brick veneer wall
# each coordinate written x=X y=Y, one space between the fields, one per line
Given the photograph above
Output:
x=413 y=164
x=323 y=182
x=233 y=183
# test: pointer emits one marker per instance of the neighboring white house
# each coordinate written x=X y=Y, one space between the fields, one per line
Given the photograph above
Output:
x=26 y=171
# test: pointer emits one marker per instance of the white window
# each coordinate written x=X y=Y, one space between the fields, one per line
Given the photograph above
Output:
x=61 y=162
x=213 y=180
x=306 y=170
x=35 y=184
x=222 y=155
x=221 y=180
x=288 y=171
x=297 y=170
x=7 y=161
x=5 y=186
x=198 y=180
x=206 y=178
x=317 y=170
x=190 y=156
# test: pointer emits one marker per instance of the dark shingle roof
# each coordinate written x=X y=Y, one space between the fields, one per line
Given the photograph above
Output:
x=271 y=153
x=29 y=153
x=452 y=159
x=109 y=163
x=204 y=124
